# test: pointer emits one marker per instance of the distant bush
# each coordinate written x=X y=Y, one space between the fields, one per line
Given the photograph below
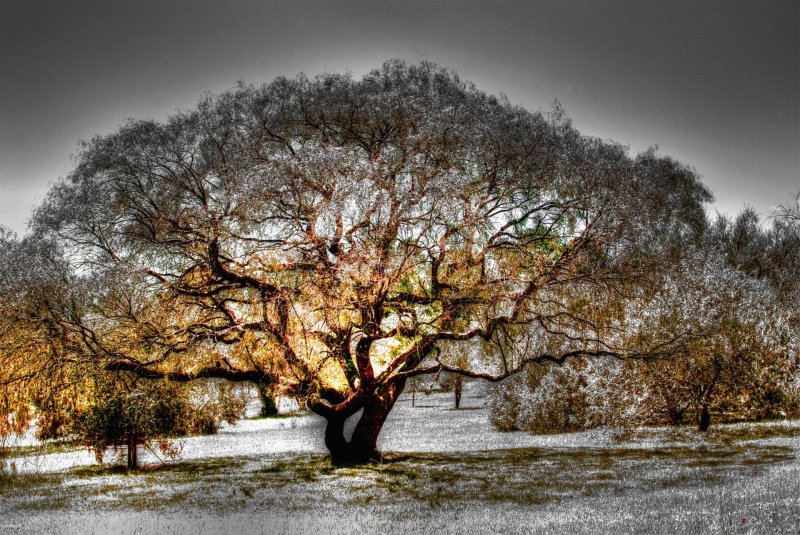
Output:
x=577 y=396
x=205 y=412
x=505 y=400
x=51 y=425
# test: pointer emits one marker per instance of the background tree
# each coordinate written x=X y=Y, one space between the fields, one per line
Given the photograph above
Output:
x=454 y=382
x=414 y=385
x=269 y=407
x=328 y=237
x=120 y=409
x=732 y=295
x=770 y=253
x=784 y=257
x=36 y=376
x=736 y=357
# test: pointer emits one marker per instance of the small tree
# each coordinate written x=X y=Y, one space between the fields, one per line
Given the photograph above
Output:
x=124 y=411
x=129 y=414
x=414 y=385
x=454 y=382
x=736 y=355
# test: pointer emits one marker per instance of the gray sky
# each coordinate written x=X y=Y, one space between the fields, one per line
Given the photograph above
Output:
x=713 y=83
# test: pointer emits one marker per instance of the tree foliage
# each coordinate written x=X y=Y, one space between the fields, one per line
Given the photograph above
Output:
x=332 y=237
x=36 y=375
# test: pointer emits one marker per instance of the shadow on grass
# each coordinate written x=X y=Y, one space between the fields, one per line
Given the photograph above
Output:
x=526 y=477
x=45 y=448
x=539 y=475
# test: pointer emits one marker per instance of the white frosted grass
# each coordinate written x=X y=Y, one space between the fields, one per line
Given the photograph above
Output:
x=51 y=462
x=673 y=511
x=432 y=426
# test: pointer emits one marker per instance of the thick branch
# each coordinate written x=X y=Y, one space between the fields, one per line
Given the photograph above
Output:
x=218 y=372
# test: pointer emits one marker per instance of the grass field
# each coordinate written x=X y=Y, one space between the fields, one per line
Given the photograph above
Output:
x=448 y=472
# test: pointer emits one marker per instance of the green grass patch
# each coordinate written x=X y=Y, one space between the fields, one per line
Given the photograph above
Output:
x=14 y=485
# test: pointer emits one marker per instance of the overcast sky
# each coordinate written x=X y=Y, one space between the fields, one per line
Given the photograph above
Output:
x=713 y=83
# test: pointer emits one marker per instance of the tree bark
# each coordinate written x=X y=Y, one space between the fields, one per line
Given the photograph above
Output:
x=705 y=402
x=268 y=407
x=458 y=388
x=133 y=454
x=334 y=438
x=705 y=418
x=363 y=445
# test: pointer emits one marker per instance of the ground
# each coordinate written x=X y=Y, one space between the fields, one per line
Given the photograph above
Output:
x=449 y=472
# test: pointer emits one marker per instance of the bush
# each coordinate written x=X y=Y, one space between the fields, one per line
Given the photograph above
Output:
x=504 y=404
x=578 y=396
x=210 y=405
x=122 y=413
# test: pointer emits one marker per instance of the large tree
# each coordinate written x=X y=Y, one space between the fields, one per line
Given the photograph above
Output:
x=334 y=237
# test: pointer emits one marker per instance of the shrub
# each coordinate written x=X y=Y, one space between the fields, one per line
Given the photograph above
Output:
x=128 y=414
x=120 y=413
x=577 y=396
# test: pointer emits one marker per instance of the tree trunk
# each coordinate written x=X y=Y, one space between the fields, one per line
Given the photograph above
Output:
x=675 y=415
x=334 y=438
x=363 y=446
x=705 y=418
x=268 y=407
x=705 y=399
x=133 y=454
x=458 y=388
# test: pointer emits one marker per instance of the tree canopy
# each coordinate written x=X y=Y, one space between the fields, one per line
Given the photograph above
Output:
x=332 y=237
